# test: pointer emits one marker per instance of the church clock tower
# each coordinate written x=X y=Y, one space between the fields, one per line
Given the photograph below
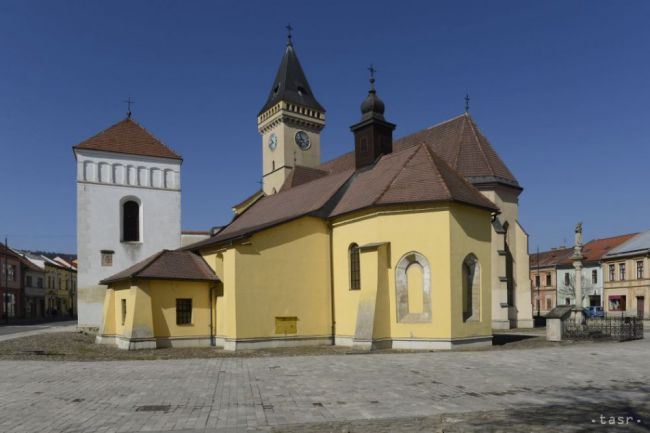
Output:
x=290 y=123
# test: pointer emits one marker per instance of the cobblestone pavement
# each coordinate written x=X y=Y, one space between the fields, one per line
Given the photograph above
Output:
x=563 y=388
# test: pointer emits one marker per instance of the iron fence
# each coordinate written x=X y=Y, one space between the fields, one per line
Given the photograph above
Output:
x=615 y=328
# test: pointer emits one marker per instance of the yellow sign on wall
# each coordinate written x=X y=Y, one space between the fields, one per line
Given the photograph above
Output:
x=286 y=325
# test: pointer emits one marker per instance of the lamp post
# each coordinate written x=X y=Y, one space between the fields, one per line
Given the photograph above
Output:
x=537 y=280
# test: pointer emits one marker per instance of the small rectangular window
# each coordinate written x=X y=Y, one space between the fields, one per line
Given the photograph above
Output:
x=107 y=258
x=183 y=311
x=612 y=273
x=123 y=311
x=536 y=280
x=549 y=304
x=548 y=280
x=639 y=270
x=594 y=277
x=621 y=270
x=29 y=281
x=567 y=279
x=39 y=284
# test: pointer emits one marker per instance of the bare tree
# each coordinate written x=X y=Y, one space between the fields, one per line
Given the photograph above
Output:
x=569 y=290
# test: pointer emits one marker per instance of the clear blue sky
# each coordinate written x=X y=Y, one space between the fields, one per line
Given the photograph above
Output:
x=560 y=88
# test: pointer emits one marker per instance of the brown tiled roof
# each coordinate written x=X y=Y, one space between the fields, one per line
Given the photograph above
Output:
x=458 y=142
x=311 y=198
x=175 y=265
x=415 y=175
x=550 y=258
x=593 y=251
x=127 y=136
x=301 y=174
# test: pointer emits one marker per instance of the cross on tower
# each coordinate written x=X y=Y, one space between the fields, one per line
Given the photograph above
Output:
x=372 y=70
x=466 y=103
x=129 y=102
x=289 y=29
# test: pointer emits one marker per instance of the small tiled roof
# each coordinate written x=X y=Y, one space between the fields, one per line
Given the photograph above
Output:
x=639 y=244
x=550 y=258
x=593 y=251
x=127 y=136
x=301 y=174
x=174 y=265
x=459 y=143
x=415 y=175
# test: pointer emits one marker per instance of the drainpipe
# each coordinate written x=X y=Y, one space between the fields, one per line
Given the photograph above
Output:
x=333 y=312
x=211 y=315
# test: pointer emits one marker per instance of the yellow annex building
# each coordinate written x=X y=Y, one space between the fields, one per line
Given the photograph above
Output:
x=408 y=243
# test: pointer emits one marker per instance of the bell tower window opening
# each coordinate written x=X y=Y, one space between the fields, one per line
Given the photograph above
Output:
x=130 y=221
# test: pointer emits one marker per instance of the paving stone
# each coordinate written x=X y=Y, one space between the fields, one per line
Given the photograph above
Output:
x=532 y=390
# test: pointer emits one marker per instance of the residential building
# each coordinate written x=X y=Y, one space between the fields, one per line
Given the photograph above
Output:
x=11 y=284
x=627 y=277
x=543 y=278
x=592 y=274
x=34 y=287
x=60 y=288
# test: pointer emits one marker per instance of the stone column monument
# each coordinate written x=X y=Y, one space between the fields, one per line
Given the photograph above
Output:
x=577 y=257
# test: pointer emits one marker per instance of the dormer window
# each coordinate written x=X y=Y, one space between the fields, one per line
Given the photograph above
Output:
x=302 y=91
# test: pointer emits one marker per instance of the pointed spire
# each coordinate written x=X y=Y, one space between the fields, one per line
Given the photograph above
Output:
x=290 y=84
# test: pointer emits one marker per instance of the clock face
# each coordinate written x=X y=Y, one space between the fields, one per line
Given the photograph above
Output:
x=273 y=141
x=302 y=140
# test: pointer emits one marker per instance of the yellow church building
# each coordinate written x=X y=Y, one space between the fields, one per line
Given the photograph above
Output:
x=409 y=243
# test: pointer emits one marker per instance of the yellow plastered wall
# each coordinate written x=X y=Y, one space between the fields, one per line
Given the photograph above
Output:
x=471 y=234
x=284 y=272
x=421 y=229
x=108 y=316
x=151 y=309
x=222 y=262
x=163 y=301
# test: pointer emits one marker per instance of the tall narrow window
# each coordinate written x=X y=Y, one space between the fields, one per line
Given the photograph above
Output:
x=621 y=269
x=123 y=311
x=639 y=270
x=471 y=290
x=183 y=311
x=548 y=280
x=536 y=280
x=567 y=279
x=355 y=267
x=612 y=273
x=130 y=221
x=594 y=276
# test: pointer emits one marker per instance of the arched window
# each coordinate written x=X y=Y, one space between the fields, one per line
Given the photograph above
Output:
x=471 y=290
x=130 y=221
x=355 y=267
x=413 y=288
